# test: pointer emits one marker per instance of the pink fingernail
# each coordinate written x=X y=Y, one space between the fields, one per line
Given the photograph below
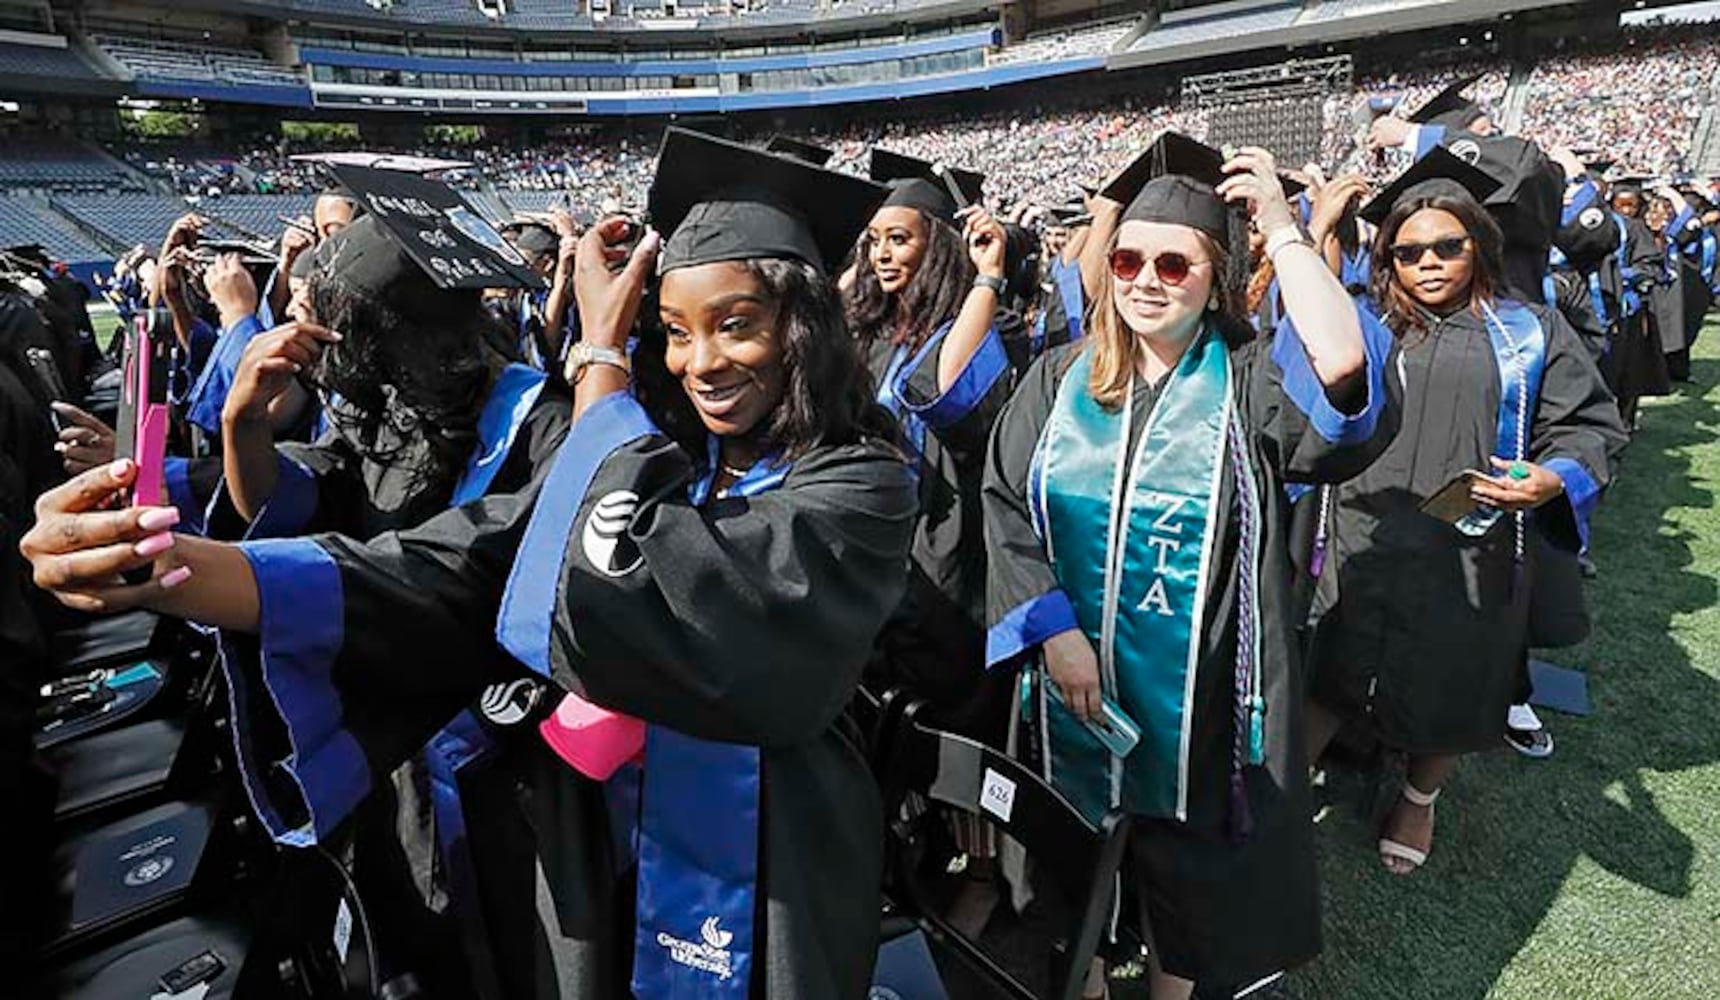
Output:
x=175 y=578
x=159 y=519
x=119 y=468
x=154 y=545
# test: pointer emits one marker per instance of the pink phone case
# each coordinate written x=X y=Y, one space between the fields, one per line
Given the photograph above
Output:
x=594 y=741
x=151 y=440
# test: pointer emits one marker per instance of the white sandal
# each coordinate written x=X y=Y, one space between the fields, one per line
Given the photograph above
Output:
x=1403 y=852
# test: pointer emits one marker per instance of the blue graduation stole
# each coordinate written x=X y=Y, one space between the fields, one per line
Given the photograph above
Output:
x=691 y=814
x=1631 y=302
x=1710 y=250
x=1131 y=540
x=464 y=740
x=1520 y=348
x=913 y=436
x=698 y=837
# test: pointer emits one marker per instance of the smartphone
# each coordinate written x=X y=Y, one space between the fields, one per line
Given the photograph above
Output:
x=1113 y=728
x=141 y=427
x=1451 y=503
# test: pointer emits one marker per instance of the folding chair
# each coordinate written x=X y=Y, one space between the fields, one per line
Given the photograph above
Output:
x=1081 y=857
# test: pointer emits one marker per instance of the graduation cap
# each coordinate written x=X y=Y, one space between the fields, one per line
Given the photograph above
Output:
x=1449 y=107
x=717 y=200
x=785 y=145
x=938 y=190
x=1174 y=180
x=35 y=253
x=1439 y=173
x=427 y=225
x=534 y=239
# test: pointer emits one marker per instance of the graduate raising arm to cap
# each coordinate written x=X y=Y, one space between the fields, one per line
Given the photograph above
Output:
x=1136 y=523
x=712 y=552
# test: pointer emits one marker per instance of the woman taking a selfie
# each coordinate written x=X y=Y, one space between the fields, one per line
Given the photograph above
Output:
x=712 y=552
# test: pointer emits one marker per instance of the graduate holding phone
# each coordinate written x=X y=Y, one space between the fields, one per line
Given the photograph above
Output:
x=1507 y=426
x=1136 y=523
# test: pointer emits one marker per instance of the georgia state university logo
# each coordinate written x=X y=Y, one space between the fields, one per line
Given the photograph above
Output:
x=477 y=229
x=506 y=704
x=1591 y=218
x=709 y=954
x=605 y=540
x=1467 y=150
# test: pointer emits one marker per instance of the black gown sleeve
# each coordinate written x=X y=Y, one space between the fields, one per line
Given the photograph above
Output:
x=1576 y=432
x=1310 y=433
x=365 y=649
x=961 y=415
x=1024 y=603
x=746 y=619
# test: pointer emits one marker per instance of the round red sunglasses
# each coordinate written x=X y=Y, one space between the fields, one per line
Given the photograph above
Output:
x=1171 y=267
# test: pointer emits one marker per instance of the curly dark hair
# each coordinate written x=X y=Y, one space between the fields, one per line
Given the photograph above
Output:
x=933 y=296
x=1403 y=314
x=827 y=397
x=407 y=375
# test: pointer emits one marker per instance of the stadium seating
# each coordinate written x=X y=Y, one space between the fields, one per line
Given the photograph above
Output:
x=56 y=163
x=1190 y=27
x=125 y=219
x=24 y=221
x=42 y=60
x=155 y=59
x=258 y=214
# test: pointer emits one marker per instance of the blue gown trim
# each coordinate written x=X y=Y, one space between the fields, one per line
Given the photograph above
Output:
x=1029 y=624
x=1303 y=387
x=302 y=627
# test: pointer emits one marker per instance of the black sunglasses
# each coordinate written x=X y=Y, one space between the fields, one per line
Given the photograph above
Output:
x=1450 y=248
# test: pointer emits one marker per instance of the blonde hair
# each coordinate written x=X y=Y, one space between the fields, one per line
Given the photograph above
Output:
x=1116 y=349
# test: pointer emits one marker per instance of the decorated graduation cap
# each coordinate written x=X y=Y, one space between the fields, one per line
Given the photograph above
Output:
x=429 y=226
x=1449 y=107
x=936 y=189
x=784 y=145
x=1438 y=174
x=717 y=200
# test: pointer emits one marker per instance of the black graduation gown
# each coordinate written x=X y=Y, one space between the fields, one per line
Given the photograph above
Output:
x=27 y=466
x=935 y=643
x=1637 y=353
x=747 y=620
x=1431 y=659
x=392 y=841
x=1222 y=913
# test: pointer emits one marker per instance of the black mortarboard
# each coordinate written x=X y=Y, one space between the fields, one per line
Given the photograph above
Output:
x=930 y=187
x=35 y=253
x=1440 y=172
x=368 y=261
x=433 y=227
x=785 y=145
x=717 y=200
x=1449 y=107
x=1173 y=153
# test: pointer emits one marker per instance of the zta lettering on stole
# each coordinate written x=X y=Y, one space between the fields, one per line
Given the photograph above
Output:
x=1164 y=537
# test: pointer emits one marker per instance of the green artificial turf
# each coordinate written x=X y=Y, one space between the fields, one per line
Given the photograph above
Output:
x=1594 y=875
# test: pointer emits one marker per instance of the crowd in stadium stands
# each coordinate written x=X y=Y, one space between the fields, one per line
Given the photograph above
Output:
x=1638 y=103
x=1646 y=96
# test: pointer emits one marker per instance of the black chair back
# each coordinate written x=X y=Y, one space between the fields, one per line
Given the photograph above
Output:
x=1080 y=856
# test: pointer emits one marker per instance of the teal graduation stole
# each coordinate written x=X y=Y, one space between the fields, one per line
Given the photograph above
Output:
x=1131 y=537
